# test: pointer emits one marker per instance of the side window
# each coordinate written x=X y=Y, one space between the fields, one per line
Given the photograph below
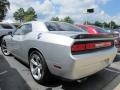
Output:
x=51 y=26
x=27 y=28
x=84 y=28
x=19 y=31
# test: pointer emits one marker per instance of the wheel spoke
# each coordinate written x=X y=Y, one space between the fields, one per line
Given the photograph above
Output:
x=37 y=59
x=39 y=73
x=35 y=71
x=33 y=62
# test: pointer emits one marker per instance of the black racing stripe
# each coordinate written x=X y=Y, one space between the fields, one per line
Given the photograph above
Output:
x=85 y=36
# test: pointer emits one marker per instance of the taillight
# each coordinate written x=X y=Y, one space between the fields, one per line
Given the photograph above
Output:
x=89 y=46
x=78 y=47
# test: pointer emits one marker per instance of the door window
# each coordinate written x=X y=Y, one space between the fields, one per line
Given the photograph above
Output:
x=24 y=29
x=27 y=28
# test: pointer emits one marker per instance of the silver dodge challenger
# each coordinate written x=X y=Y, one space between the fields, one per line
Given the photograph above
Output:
x=59 y=49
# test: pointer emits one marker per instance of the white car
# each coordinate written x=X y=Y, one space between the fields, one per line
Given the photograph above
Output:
x=60 y=49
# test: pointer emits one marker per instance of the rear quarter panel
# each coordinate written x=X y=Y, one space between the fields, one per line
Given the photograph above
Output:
x=56 y=49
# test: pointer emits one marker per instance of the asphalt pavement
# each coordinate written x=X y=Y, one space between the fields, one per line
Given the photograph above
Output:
x=14 y=75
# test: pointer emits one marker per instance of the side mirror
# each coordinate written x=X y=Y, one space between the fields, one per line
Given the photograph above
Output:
x=10 y=33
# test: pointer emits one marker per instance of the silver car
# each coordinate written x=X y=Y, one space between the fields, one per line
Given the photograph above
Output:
x=60 y=49
x=5 y=28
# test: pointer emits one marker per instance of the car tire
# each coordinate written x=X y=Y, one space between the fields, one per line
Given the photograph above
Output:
x=4 y=48
x=38 y=68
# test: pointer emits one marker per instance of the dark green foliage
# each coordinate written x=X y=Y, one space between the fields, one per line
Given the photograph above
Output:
x=25 y=16
x=66 y=19
x=4 y=6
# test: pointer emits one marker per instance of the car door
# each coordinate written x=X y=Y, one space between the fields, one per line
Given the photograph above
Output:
x=15 y=41
x=19 y=44
x=24 y=43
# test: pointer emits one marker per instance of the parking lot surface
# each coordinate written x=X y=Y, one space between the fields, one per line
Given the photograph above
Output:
x=14 y=75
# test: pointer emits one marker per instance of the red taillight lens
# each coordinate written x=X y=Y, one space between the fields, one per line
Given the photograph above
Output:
x=89 y=46
x=78 y=47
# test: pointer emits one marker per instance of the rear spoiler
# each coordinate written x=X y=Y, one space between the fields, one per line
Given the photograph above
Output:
x=93 y=36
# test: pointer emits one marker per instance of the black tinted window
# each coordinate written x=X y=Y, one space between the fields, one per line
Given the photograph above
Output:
x=19 y=31
x=83 y=27
x=27 y=28
x=118 y=30
x=24 y=29
x=59 y=26
x=100 y=30
x=5 y=26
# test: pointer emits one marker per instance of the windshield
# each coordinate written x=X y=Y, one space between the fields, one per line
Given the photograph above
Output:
x=100 y=30
x=6 y=26
x=83 y=27
x=61 y=26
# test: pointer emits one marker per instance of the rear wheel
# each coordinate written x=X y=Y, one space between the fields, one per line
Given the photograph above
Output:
x=38 y=67
x=4 y=48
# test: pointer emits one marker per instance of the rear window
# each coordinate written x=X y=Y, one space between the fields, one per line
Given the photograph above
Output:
x=100 y=30
x=83 y=27
x=118 y=30
x=61 y=26
x=5 y=26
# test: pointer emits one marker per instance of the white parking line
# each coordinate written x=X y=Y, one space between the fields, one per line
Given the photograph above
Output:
x=112 y=70
x=117 y=87
x=3 y=72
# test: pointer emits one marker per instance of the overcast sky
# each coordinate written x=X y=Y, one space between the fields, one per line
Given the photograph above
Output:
x=105 y=10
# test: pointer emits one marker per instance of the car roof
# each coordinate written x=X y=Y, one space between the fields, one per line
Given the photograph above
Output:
x=42 y=22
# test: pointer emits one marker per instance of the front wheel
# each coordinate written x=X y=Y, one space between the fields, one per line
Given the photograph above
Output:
x=38 y=68
x=4 y=48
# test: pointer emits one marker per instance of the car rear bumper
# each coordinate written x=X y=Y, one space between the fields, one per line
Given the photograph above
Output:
x=88 y=64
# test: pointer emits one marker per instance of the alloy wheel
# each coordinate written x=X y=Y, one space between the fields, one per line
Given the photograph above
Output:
x=4 y=48
x=36 y=66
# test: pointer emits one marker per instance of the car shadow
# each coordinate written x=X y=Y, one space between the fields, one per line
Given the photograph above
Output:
x=95 y=82
x=10 y=79
x=117 y=58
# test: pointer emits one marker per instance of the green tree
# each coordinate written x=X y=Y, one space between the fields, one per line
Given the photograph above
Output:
x=19 y=15
x=113 y=25
x=55 y=19
x=4 y=6
x=99 y=24
x=24 y=16
x=105 y=25
x=30 y=15
x=68 y=20
x=88 y=23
